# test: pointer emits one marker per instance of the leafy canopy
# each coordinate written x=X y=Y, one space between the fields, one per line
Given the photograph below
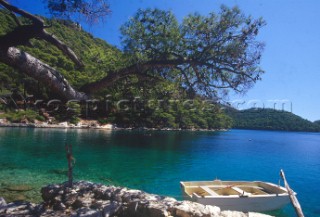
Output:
x=206 y=54
x=91 y=10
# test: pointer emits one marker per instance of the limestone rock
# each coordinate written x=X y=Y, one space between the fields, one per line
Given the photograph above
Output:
x=157 y=209
x=88 y=199
x=190 y=209
x=70 y=198
x=86 y=212
x=59 y=206
x=85 y=200
x=110 y=209
x=49 y=192
x=229 y=213
x=102 y=193
x=18 y=209
x=2 y=202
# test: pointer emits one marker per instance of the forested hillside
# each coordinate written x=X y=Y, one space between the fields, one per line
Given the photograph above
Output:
x=270 y=119
x=317 y=122
x=130 y=102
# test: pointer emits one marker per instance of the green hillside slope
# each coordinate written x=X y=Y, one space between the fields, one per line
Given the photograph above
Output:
x=130 y=102
x=270 y=119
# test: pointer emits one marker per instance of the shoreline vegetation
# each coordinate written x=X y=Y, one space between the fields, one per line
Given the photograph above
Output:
x=251 y=119
x=90 y=124
x=270 y=119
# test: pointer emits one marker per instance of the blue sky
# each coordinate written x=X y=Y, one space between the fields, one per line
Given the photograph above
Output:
x=291 y=58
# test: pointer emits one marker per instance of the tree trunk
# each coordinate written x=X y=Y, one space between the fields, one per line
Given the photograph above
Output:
x=40 y=71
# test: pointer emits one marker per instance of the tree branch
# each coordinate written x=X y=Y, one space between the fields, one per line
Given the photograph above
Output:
x=131 y=70
x=62 y=46
x=22 y=34
x=40 y=71
x=36 y=20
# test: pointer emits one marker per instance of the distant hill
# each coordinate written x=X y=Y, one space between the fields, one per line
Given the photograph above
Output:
x=270 y=119
x=317 y=122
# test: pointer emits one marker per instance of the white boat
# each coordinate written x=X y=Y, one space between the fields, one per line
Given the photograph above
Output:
x=255 y=196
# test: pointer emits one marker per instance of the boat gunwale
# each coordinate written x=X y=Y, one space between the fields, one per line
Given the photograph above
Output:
x=237 y=184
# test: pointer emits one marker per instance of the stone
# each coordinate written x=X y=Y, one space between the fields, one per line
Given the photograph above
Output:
x=101 y=193
x=51 y=213
x=18 y=209
x=84 y=186
x=169 y=201
x=19 y=188
x=58 y=198
x=77 y=204
x=2 y=202
x=145 y=208
x=3 y=121
x=228 y=213
x=86 y=212
x=190 y=209
x=70 y=198
x=49 y=192
x=157 y=210
x=99 y=204
x=63 y=124
x=59 y=206
x=110 y=209
x=107 y=126
x=87 y=199
x=152 y=197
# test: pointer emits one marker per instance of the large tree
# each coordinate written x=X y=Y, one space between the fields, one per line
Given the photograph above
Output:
x=205 y=54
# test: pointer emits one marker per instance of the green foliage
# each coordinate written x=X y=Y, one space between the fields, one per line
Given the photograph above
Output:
x=22 y=116
x=153 y=102
x=104 y=121
x=73 y=112
x=151 y=34
x=317 y=122
x=212 y=54
x=166 y=109
x=88 y=10
x=98 y=56
x=270 y=119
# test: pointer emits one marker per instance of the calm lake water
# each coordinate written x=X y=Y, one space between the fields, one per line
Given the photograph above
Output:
x=156 y=161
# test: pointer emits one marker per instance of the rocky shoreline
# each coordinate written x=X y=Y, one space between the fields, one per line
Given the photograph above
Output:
x=63 y=125
x=87 y=199
x=91 y=124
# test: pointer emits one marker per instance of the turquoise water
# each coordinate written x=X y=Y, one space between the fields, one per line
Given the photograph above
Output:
x=155 y=161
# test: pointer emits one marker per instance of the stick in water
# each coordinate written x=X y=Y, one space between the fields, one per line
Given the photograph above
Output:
x=71 y=162
x=293 y=198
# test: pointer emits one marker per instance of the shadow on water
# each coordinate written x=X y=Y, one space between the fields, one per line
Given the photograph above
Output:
x=282 y=212
x=10 y=166
x=60 y=172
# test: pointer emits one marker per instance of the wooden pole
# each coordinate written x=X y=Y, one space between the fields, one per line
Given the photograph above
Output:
x=292 y=196
x=71 y=162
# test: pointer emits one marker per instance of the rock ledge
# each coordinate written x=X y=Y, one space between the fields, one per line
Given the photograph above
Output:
x=88 y=199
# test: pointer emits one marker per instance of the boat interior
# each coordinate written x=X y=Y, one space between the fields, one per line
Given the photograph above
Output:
x=223 y=188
